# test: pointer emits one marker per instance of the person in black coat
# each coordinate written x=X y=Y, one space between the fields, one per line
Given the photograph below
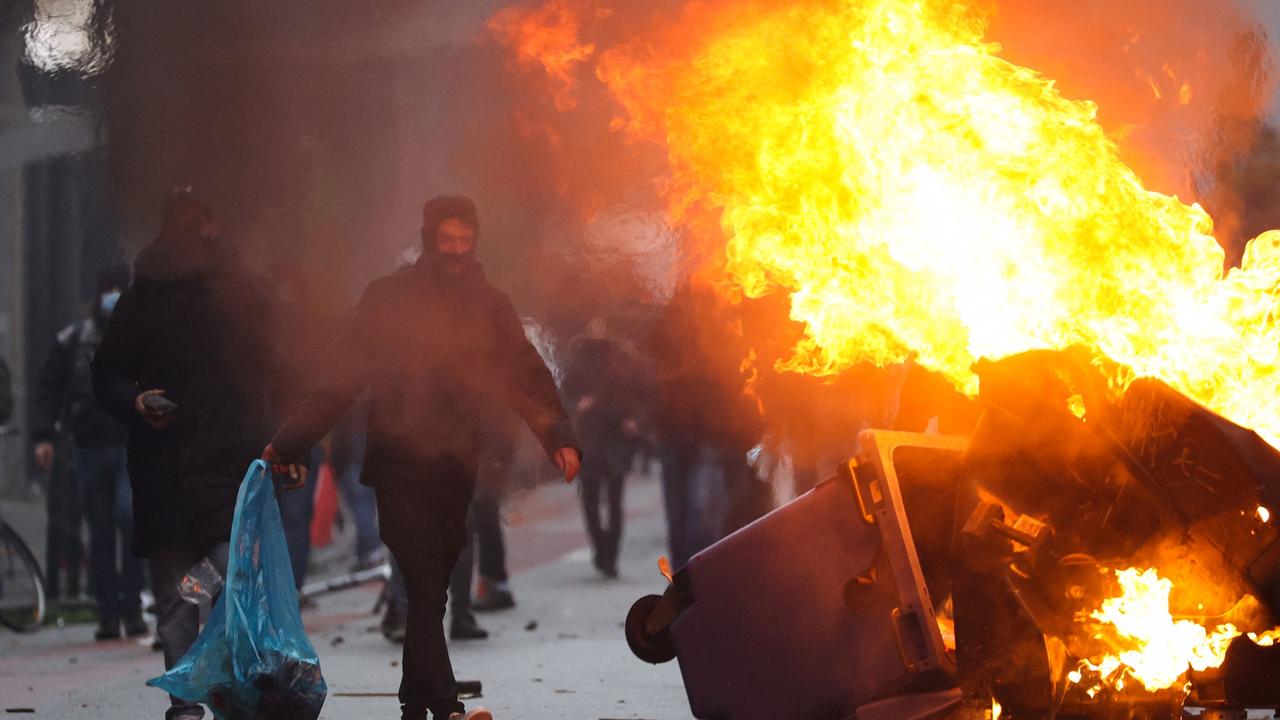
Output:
x=64 y=399
x=432 y=344
x=604 y=383
x=186 y=364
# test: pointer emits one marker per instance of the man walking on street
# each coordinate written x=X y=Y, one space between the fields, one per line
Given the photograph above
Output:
x=432 y=344
x=603 y=383
x=185 y=363
x=65 y=398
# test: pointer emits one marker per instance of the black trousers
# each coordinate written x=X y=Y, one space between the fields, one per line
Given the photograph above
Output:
x=606 y=535
x=62 y=539
x=491 y=544
x=178 y=623
x=422 y=518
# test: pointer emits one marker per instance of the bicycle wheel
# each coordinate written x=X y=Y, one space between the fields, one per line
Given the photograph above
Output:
x=21 y=584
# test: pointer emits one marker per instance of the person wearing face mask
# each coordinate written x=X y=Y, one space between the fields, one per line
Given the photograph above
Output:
x=432 y=345
x=65 y=400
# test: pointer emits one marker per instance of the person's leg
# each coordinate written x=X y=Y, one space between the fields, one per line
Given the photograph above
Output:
x=492 y=592
x=424 y=526
x=296 y=509
x=97 y=495
x=589 y=490
x=132 y=571
x=397 y=599
x=463 y=572
x=360 y=499
x=675 y=485
x=462 y=622
x=749 y=499
x=178 y=621
x=52 y=544
x=73 y=547
x=491 y=546
x=396 y=593
x=614 y=488
x=62 y=534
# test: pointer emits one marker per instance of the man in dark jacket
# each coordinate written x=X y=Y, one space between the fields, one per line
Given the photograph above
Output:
x=432 y=344
x=185 y=363
x=604 y=384
x=65 y=399
x=705 y=422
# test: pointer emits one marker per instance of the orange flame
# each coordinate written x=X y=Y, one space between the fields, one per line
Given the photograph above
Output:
x=917 y=196
x=1152 y=647
x=547 y=37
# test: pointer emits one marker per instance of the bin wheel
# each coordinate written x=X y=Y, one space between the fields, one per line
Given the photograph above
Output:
x=653 y=649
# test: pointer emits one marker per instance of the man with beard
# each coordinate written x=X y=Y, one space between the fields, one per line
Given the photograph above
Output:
x=186 y=365
x=432 y=344
x=65 y=398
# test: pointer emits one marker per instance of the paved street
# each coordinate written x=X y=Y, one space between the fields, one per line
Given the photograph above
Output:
x=559 y=654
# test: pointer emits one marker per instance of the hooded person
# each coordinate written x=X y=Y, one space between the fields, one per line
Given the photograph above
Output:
x=432 y=345
x=187 y=366
x=65 y=402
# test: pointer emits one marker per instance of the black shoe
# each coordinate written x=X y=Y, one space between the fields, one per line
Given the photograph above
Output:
x=393 y=625
x=465 y=627
x=108 y=629
x=370 y=560
x=134 y=624
x=412 y=712
x=491 y=596
x=607 y=566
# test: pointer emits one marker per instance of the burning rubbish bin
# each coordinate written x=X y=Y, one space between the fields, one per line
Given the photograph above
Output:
x=1081 y=555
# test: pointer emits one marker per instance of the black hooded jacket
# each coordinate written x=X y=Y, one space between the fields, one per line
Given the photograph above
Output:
x=194 y=323
x=433 y=350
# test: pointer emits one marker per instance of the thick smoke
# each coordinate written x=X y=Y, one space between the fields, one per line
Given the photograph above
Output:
x=317 y=128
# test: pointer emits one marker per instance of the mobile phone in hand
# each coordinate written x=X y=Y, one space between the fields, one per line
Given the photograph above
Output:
x=159 y=404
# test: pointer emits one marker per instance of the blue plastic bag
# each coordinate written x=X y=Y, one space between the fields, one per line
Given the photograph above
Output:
x=253 y=660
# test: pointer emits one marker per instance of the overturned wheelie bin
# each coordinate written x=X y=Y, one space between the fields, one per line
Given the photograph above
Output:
x=1080 y=556
x=814 y=610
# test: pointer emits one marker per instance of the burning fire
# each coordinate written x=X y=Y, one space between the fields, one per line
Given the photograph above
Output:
x=547 y=36
x=1151 y=646
x=919 y=197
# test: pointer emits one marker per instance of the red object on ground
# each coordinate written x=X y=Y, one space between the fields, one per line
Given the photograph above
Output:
x=326 y=506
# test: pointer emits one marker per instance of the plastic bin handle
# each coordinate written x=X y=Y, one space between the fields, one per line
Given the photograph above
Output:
x=867 y=517
x=896 y=617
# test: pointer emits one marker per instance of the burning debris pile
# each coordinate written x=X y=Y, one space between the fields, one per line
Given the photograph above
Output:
x=1118 y=566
